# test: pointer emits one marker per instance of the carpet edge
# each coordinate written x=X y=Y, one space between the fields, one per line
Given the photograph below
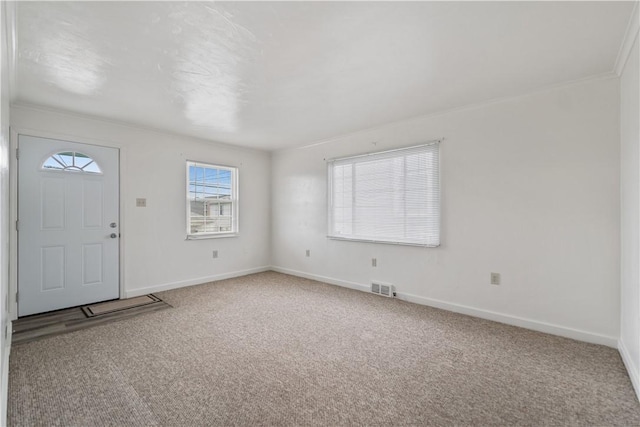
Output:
x=535 y=325
x=191 y=282
x=631 y=367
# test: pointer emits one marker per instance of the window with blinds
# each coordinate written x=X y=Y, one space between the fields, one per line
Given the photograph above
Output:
x=388 y=197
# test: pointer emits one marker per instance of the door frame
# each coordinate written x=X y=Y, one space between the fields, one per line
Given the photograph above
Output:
x=13 y=205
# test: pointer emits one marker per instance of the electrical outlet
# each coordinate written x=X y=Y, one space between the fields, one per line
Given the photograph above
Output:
x=215 y=254
x=308 y=252
x=495 y=278
x=374 y=262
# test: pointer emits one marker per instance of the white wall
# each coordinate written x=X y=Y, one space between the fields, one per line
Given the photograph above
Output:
x=155 y=252
x=630 y=219
x=5 y=322
x=530 y=190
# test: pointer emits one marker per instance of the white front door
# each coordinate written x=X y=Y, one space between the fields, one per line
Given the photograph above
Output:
x=68 y=229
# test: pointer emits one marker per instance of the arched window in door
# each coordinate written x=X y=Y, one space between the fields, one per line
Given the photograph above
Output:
x=71 y=161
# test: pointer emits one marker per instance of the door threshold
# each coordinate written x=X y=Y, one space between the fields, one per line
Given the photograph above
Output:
x=44 y=325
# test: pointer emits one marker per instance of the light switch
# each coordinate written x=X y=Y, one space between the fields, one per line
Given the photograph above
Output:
x=141 y=203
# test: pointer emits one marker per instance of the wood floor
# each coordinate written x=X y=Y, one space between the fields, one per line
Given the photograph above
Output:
x=38 y=326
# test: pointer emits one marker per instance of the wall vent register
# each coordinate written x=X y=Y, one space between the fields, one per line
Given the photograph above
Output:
x=383 y=289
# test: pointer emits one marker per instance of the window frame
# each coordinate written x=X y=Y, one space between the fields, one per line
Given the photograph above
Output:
x=71 y=168
x=235 y=197
x=330 y=207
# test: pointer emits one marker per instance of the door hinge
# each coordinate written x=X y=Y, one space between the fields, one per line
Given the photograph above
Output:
x=17 y=225
x=17 y=153
x=17 y=293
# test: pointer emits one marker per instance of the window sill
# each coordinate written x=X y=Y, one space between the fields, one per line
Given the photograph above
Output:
x=384 y=242
x=210 y=236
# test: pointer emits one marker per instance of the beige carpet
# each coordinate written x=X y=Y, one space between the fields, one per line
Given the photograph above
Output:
x=272 y=349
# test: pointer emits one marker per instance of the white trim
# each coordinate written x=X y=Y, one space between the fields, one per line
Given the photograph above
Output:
x=13 y=203
x=468 y=107
x=632 y=369
x=472 y=311
x=4 y=381
x=198 y=281
x=431 y=195
x=508 y=319
x=11 y=22
x=391 y=150
x=627 y=42
x=204 y=236
x=132 y=126
x=235 y=198
x=471 y=106
x=13 y=217
x=383 y=242
x=324 y=279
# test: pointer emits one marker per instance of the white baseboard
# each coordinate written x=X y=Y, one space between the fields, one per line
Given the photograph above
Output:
x=508 y=319
x=457 y=308
x=324 y=279
x=632 y=368
x=4 y=380
x=198 y=281
x=535 y=325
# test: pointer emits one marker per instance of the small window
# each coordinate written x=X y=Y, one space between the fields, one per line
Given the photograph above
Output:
x=386 y=197
x=212 y=200
x=71 y=161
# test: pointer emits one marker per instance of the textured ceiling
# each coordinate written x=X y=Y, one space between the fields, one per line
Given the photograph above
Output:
x=271 y=75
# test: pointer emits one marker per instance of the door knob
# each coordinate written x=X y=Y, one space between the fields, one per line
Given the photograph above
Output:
x=113 y=235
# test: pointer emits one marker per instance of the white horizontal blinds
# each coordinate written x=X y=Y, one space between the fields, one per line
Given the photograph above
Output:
x=391 y=196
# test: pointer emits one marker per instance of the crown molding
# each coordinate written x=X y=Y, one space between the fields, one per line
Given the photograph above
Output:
x=26 y=106
x=629 y=38
x=11 y=39
x=468 y=107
